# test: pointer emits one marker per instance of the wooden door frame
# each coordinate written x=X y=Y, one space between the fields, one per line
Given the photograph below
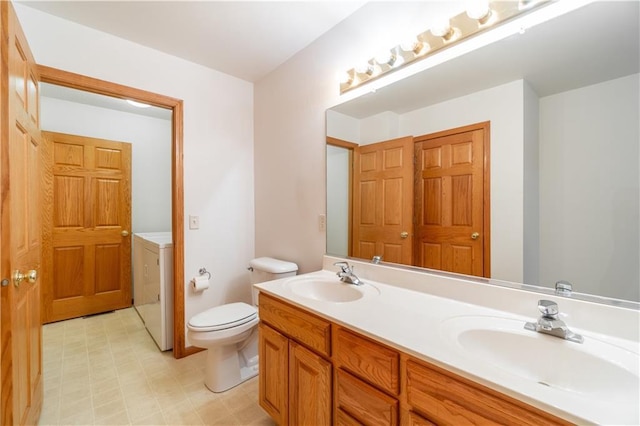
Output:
x=485 y=126
x=351 y=147
x=102 y=87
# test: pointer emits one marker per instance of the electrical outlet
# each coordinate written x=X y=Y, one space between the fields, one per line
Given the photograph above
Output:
x=322 y=222
x=194 y=222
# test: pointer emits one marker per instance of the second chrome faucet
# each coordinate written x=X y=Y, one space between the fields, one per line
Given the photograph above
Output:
x=550 y=323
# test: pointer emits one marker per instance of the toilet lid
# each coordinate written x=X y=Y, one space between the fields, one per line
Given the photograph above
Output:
x=223 y=317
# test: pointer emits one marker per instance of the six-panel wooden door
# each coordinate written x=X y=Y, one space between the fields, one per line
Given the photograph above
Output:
x=21 y=329
x=382 y=201
x=89 y=259
x=450 y=201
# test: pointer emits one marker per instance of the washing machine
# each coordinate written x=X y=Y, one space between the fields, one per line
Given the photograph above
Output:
x=153 y=284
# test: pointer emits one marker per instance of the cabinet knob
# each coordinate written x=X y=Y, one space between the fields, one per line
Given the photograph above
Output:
x=475 y=235
x=18 y=277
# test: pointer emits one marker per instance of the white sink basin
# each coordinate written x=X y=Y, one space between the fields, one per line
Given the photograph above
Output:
x=327 y=290
x=593 y=369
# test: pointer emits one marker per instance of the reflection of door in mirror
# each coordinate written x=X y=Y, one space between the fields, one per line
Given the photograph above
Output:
x=450 y=200
x=445 y=226
x=382 y=201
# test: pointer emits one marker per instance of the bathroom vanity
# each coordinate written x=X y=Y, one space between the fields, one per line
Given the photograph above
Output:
x=381 y=354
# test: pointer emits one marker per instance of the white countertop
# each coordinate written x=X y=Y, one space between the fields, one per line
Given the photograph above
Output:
x=411 y=321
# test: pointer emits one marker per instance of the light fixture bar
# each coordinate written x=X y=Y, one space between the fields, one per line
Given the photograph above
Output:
x=429 y=42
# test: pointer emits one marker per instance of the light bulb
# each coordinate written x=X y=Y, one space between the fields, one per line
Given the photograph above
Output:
x=343 y=77
x=441 y=27
x=383 y=57
x=478 y=9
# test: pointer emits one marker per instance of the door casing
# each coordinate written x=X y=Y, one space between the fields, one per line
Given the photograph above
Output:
x=102 y=87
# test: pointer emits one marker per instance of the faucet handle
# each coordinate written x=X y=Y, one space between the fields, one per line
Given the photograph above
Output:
x=548 y=308
x=344 y=266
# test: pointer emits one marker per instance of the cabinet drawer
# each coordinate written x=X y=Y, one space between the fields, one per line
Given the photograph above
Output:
x=308 y=329
x=415 y=419
x=449 y=399
x=368 y=360
x=363 y=402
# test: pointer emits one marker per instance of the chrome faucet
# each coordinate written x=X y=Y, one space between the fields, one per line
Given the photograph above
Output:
x=549 y=323
x=346 y=274
x=564 y=288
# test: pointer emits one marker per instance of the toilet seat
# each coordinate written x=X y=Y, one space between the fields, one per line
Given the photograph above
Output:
x=223 y=317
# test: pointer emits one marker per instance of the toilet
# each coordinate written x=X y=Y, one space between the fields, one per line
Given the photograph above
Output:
x=230 y=332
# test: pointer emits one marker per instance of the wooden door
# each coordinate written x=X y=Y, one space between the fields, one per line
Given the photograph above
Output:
x=383 y=201
x=88 y=262
x=273 y=358
x=452 y=201
x=21 y=329
x=309 y=387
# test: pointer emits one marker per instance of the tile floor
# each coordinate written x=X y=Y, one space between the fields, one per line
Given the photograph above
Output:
x=106 y=370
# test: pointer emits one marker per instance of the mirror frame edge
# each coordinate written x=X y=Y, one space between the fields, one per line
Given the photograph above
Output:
x=102 y=87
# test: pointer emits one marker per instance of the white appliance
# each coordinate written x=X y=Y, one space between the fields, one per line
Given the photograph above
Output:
x=153 y=284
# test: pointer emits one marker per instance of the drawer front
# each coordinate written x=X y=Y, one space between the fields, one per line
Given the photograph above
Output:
x=368 y=360
x=363 y=402
x=448 y=399
x=311 y=331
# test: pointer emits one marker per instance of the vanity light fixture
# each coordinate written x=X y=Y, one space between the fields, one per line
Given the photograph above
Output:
x=479 y=16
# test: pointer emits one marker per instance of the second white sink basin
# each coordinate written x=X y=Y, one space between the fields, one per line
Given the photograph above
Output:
x=594 y=369
x=327 y=290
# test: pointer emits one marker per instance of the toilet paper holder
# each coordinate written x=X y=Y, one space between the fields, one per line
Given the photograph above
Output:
x=203 y=271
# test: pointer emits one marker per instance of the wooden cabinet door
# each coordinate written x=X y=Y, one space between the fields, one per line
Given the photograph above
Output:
x=273 y=356
x=21 y=250
x=309 y=387
x=383 y=201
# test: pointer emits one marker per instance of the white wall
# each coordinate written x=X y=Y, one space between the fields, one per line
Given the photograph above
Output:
x=218 y=142
x=150 y=153
x=589 y=157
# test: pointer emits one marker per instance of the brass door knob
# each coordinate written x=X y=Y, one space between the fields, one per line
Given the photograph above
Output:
x=404 y=234
x=475 y=235
x=18 y=277
x=124 y=233
x=32 y=276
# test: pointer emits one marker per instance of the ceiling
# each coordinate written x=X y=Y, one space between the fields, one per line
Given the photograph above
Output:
x=245 y=39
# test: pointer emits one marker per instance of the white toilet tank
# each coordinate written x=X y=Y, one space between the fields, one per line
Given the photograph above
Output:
x=268 y=269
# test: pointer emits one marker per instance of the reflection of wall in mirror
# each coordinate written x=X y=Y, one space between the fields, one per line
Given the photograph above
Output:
x=590 y=188
x=337 y=200
x=513 y=111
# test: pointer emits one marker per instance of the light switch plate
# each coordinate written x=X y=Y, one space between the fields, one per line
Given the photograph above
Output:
x=194 y=222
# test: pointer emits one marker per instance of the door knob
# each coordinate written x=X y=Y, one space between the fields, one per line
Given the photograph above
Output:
x=404 y=234
x=475 y=235
x=32 y=276
x=124 y=233
x=18 y=277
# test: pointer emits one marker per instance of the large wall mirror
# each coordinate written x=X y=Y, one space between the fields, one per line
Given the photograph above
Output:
x=560 y=105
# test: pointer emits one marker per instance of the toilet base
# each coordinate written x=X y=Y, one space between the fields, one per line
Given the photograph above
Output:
x=226 y=368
